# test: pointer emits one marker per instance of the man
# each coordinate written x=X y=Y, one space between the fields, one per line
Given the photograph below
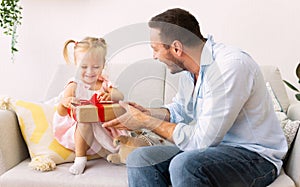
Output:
x=221 y=120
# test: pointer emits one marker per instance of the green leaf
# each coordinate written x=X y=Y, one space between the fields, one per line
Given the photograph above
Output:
x=10 y=18
x=298 y=71
x=291 y=86
x=14 y=49
x=298 y=97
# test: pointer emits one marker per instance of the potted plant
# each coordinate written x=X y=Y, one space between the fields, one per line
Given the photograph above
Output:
x=10 y=18
x=293 y=87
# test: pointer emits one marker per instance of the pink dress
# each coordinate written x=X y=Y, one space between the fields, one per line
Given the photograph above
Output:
x=64 y=126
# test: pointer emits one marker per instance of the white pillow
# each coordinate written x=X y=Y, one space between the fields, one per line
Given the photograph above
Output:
x=288 y=126
x=276 y=104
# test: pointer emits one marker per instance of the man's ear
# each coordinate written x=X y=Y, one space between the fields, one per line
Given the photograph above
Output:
x=177 y=48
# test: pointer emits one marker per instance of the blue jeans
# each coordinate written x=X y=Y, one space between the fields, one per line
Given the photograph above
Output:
x=219 y=166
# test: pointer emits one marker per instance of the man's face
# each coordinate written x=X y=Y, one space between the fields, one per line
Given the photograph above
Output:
x=164 y=55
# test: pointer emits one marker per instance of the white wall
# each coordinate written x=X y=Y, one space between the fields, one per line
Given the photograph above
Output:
x=268 y=30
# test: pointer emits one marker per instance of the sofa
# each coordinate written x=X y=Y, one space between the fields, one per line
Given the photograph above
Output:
x=146 y=82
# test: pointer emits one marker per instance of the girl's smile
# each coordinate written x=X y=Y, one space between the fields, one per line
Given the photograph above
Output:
x=90 y=67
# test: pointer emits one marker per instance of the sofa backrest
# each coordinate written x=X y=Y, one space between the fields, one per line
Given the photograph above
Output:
x=151 y=84
x=142 y=82
x=271 y=74
x=57 y=82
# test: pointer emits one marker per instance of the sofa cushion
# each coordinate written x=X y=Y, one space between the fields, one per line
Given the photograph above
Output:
x=272 y=75
x=276 y=104
x=289 y=127
x=97 y=173
x=282 y=180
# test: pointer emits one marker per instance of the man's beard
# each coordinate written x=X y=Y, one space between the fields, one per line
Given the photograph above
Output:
x=177 y=65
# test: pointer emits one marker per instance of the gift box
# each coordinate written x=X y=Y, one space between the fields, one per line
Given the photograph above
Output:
x=94 y=111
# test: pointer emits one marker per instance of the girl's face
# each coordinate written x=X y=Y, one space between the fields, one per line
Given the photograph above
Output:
x=90 y=67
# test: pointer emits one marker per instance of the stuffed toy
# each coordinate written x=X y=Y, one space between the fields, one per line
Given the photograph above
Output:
x=129 y=143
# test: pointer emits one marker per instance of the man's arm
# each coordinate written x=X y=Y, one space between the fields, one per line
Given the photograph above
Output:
x=163 y=128
x=160 y=113
x=138 y=117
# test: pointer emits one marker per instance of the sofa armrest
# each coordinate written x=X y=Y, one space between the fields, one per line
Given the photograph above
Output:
x=12 y=147
x=292 y=167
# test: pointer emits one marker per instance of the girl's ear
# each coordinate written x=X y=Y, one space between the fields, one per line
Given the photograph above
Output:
x=177 y=48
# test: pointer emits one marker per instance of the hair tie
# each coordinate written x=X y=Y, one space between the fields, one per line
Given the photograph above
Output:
x=102 y=40
x=76 y=43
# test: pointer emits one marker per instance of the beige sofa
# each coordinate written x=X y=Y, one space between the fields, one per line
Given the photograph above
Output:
x=147 y=83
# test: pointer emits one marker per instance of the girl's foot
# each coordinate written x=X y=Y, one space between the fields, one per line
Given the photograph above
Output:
x=78 y=166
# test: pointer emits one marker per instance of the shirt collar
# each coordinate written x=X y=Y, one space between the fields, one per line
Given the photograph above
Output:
x=207 y=52
x=207 y=56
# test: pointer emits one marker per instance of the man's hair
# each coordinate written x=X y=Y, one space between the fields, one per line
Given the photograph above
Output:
x=177 y=24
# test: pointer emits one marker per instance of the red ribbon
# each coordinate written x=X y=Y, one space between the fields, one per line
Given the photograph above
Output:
x=94 y=101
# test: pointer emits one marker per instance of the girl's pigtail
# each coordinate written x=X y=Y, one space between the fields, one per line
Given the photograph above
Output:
x=65 y=51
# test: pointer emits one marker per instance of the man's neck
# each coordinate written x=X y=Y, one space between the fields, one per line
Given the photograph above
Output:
x=193 y=60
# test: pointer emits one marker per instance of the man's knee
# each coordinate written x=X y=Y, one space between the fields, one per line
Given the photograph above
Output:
x=151 y=155
x=188 y=162
x=179 y=162
x=139 y=157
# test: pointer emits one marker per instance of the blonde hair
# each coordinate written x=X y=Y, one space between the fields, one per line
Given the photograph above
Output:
x=97 y=45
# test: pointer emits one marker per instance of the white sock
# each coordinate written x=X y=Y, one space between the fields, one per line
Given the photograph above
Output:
x=78 y=166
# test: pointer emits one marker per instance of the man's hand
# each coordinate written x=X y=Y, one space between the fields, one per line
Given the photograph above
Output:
x=134 y=118
x=140 y=108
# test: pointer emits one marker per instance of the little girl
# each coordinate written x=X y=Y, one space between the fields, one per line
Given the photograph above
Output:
x=85 y=138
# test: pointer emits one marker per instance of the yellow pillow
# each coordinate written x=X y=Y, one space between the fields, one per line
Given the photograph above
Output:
x=35 y=120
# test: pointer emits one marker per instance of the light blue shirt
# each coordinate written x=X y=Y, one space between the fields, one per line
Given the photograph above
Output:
x=229 y=105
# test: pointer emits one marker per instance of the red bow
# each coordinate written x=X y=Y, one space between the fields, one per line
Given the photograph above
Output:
x=93 y=101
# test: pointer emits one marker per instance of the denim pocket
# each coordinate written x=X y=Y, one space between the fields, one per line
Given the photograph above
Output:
x=265 y=180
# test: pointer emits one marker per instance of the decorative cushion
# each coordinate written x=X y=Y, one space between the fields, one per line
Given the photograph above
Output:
x=276 y=104
x=273 y=76
x=35 y=120
x=288 y=126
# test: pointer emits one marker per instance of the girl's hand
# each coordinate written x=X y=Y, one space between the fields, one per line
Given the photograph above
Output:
x=103 y=96
x=68 y=102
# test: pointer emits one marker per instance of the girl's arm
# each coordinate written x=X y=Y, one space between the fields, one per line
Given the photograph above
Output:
x=116 y=95
x=67 y=100
x=110 y=94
